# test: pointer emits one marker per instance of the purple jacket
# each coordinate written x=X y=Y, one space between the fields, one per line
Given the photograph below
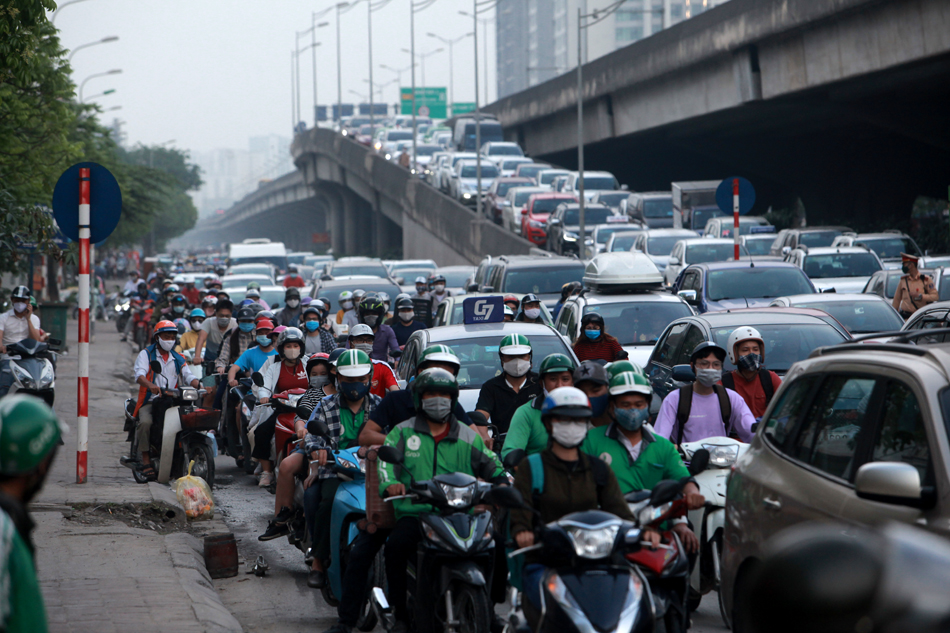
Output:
x=384 y=342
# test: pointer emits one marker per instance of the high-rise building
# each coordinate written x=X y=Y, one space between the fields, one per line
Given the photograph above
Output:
x=525 y=44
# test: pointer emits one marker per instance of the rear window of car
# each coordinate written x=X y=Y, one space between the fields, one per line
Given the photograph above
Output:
x=639 y=322
x=759 y=282
x=816 y=239
x=546 y=280
x=376 y=270
x=479 y=356
x=841 y=265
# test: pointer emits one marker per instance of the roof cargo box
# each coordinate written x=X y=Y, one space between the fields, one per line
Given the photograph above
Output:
x=622 y=272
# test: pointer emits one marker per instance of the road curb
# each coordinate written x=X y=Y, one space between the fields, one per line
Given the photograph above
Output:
x=187 y=555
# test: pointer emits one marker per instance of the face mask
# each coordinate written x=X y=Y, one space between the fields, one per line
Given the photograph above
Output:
x=632 y=419
x=370 y=320
x=196 y=325
x=750 y=362
x=592 y=334
x=364 y=347
x=291 y=353
x=421 y=289
x=439 y=288
x=19 y=308
x=598 y=404
x=263 y=340
x=166 y=345
x=317 y=382
x=346 y=305
x=406 y=316
x=312 y=326
x=905 y=268
x=293 y=275
x=438 y=408
x=708 y=377
x=293 y=303
x=178 y=309
x=532 y=313
x=354 y=391
x=244 y=327
x=517 y=367
x=569 y=434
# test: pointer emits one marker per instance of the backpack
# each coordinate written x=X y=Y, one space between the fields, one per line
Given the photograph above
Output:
x=686 y=404
x=765 y=379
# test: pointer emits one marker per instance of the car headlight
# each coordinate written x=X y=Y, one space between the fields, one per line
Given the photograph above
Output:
x=466 y=195
x=593 y=543
x=570 y=237
x=721 y=456
x=189 y=395
x=535 y=224
x=506 y=203
x=650 y=514
x=458 y=496
x=48 y=375
x=23 y=376
x=344 y=132
x=388 y=156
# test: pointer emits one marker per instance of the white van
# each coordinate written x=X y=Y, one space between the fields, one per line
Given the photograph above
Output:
x=258 y=251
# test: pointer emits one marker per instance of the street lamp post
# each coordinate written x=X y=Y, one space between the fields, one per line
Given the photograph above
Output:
x=102 y=94
x=339 y=69
x=105 y=40
x=422 y=57
x=114 y=71
x=61 y=7
x=450 y=44
x=313 y=41
x=485 y=22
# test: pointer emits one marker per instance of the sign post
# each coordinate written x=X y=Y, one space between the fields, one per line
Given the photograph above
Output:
x=735 y=215
x=735 y=195
x=72 y=209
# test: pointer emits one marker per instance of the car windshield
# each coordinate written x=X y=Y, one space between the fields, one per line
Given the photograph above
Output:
x=546 y=280
x=623 y=242
x=479 y=356
x=658 y=208
x=401 y=265
x=702 y=215
x=702 y=253
x=817 y=239
x=488 y=171
x=427 y=150
x=592 y=216
x=511 y=164
x=785 y=344
x=505 y=150
x=592 y=183
x=663 y=244
x=279 y=261
x=246 y=269
x=455 y=278
x=639 y=322
x=759 y=246
x=604 y=232
x=759 y=282
x=530 y=171
x=841 y=265
x=375 y=270
x=521 y=198
x=409 y=274
x=613 y=199
x=399 y=135
x=503 y=187
x=546 y=205
x=890 y=247
x=545 y=179
x=860 y=317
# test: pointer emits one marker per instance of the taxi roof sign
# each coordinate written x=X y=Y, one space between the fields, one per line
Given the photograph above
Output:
x=622 y=272
x=483 y=310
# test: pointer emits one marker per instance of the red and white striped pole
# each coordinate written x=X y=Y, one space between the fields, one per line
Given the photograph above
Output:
x=83 y=405
x=735 y=214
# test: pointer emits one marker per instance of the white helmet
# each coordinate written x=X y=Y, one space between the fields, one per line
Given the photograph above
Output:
x=740 y=334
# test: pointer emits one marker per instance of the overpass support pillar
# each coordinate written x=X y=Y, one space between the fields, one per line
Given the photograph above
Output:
x=357 y=225
x=388 y=238
x=333 y=199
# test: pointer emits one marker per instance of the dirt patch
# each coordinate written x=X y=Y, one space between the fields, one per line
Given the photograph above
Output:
x=147 y=516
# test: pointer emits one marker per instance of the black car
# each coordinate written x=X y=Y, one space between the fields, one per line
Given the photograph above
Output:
x=521 y=274
x=563 y=225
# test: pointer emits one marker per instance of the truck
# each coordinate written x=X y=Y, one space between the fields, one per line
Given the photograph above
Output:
x=694 y=203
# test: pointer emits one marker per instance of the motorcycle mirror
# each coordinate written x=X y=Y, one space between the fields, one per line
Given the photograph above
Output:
x=318 y=428
x=637 y=496
x=505 y=497
x=155 y=366
x=664 y=492
x=512 y=459
x=395 y=353
x=303 y=411
x=258 y=378
x=390 y=455
x=54 y=342
x=622 y=355
x=275 y=305
x=698 y=462
x=683 y=373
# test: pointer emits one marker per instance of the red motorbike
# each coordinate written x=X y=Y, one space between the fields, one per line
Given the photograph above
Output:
x=285 y=437
x=141 y=317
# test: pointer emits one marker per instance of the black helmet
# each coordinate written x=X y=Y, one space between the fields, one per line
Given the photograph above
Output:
x=335 y=354
x=177 y=299
x=404 y=304
x=291 y=335
x=21 y=292
x=292 y=268
x=245 y=313
x=592 y=317
x=311 y=309
x=292 y=292
x=570 y=288
x=371 y=304
x=704 y=348
x=529 y=298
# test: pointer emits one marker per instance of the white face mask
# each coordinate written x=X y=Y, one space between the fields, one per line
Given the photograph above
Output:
x=407 y=316
x=569 y=434
x=196 y=325
x=291 y=353
x=166 y=345
x=517 y=367
x=293 y=303
x=439 y=289
x=19 y=308
x=346 y=305
x=532 y=313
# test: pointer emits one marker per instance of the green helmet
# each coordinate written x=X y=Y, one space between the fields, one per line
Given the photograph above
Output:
x=254 y=285
x=439 y=354
x=514 y=345
x=354 y=363
x=29 y=431
x=556 y=363
x=621 y=366
x=434 y=379
x=630 y=382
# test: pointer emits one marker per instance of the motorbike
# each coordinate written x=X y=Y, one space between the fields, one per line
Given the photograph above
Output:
x=122 y=309
x=448 y=581
x=34 y=373
x=184 y=436
x=235 y=420
x=141 y=317
x=709 y=521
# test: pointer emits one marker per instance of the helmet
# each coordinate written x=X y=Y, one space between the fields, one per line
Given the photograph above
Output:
x=346 y=295
x=319 y=357
x=621 y=366
x=179 y=279
x=164 y=326
x=570 y=288
x=556 y=363
x=182 y=325
x=629 y=382
x=404 y=304
x=401 y=296
x=306 y=301
x=511 y=299
x=209 y=300
x=360 y=329
x=437 y=279
x=253 y=284
x=262 y=314
x=592 y=317
x=358 y=294
x=440 y=354
x=371 y=305
x=177 y=299
x=591 y=371
x=279 y=329
x=509 y=311
x=335 y=355
x=197 y=312
x=569 y=402
x=310 y=309
x=529 y=298
x=291 y=269
x=354 y=363
x=704 y=348
x=29 y=432
x=291 y=335
x=173 y=288
x=252 y=292
x=264 y=324
x=21 y=292
x=384 y=297
x=514 y=345
x=422 y=280
x=434 y=379
x=292 y=292
x=740 y=334
x=244 y=313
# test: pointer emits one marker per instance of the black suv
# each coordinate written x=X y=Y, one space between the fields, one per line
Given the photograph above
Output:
x=521 y=274
x=563 y=225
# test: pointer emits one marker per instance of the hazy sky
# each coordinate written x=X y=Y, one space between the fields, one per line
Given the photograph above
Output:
x=211 y=73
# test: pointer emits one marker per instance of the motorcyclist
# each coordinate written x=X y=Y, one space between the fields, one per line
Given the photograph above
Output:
x=214 y=330
x=404 y=324
x=16 y=324
x=188 y=340
x=254 y=296
x=162 y=308
x=568 y=290
x=433 y=442
x=513 y=302
x=509 y=314
x=592 y=378
x=190 y=293
x=344 y=415
x=238 y=340
x=347 y=314
x=291 y=373
x=133 y=282
x=530 y=309
x=527 y=431
x=639 y=458
x=290 y=314
x=293 y=280
x=372 y=312
x=751 y=379
x=29 y=436
x=439 y=293
x=500 y=396
x=422 y=288
x=318 y=339
x=387 y=304
x=704 y=408
x=252 y=359
x=208 y=304
x=143 y=297
x=151 y=405
x=594 y=343
x=361 y=337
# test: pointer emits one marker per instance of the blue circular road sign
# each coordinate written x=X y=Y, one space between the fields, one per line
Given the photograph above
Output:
x=105 y=202
x=746 y=195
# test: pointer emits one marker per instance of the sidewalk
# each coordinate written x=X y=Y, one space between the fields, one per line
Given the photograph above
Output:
x=104 y=564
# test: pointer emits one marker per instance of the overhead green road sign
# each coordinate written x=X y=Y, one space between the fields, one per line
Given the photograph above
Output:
x=460 y=107
x=430 y=102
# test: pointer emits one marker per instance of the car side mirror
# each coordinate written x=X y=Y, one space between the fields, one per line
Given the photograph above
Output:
x=683 y=373
x=257 y=378
x=472 y=288
x=674 y=261
x=275 y=305
x=554 y=221
x=524 y=212
x=689 y=296
x=699 y=462
x=325 y=277
x=400 y=281
x=155 y=366
x=889 y=482
x=828 y=290
x=786 y=250
x=390 y=455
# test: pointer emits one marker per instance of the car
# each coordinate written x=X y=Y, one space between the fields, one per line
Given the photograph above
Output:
x=406 y=277
x=846 y=268
x=331 y=288
x=530 y=170
x=933 y=316
x=935 y=261
x=884 y=282
x=402 y=264
x=653 y=208
x=543 y=276
x=298 y=257
x=812 y=237
x=623 y=240
x=447 y=171
x=790 y=335
x=436 y=165
x=468 y=131
x=424 y=154
x=887 y=245
x=602 y=232
x=748 y=225
x=508 y=164
x=317 y=260
x=610 y=199
x=659 y=243
x=349 y=266
x=241 y=281
x=563 y=225
x=450 y=310
x=464 y=186
x=856 y=435
x=860 y=313
x=557 y=184
x=387 y=139
x=435 y=130
x=594 y=181
x=538 y=210
x=546 y=177
x=759 y=245
x=252 y=269
x=698 y=250
x=497 y=193
x=196 y=278
x=743 y=284
x=455 y=277
x=514 y=206
x=477 y=349
x=497 y=149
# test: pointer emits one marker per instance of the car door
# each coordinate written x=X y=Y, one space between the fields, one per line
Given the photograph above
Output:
x=660 y=367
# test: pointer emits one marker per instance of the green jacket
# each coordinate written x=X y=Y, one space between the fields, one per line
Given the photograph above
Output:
x=658 y=459
x=21 y=602
x=526 y=430
x=462 y=451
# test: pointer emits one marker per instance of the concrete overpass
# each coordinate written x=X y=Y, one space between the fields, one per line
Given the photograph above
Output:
x=840 y=102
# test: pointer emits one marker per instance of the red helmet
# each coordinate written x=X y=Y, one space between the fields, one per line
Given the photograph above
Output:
x=264 y=324
x=165 y=326
x=512 y=299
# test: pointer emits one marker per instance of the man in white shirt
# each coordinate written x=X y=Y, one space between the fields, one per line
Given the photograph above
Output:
x=133 y=283
x=15 y=325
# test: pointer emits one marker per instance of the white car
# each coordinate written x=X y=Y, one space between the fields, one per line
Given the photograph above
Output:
x=616 y=224
x=846 y=269
x=508 y=164
x=659 y=243
x=464 y=186
x=546 y=177
x=594 y=181
x=515 y=201
x=448 y=170
x=497 y=149
x=252 y=269
x=699 y=250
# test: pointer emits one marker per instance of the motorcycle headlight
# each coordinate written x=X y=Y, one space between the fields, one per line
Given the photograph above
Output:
x=22 y=376
x=189 y=395
x=345 y=463
x=593 y=543
x=650 y=514
x=458 y=496
x=47 y=376
x=722 y=456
